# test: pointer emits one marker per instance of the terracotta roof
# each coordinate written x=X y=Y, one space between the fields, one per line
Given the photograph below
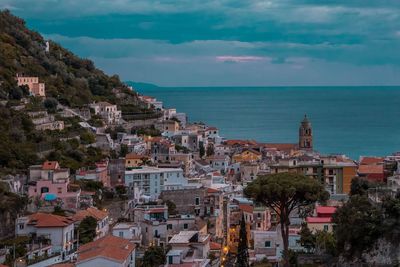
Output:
x=42 y=220
x=215 y=246
x=216 y=174
x=110 y=247
x=325 y=210
x=370 y=169
x=371 y=160
x=93 y=212
x=50 y=165
x=282 y=147
x=134 y=156
x=240 y=142
x=246 y=208
x=319 y=219
x=212 y=190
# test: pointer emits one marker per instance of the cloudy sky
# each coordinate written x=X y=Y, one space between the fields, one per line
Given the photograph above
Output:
x=228 y=43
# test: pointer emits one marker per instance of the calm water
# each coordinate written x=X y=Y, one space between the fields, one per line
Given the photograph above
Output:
x=354 y=121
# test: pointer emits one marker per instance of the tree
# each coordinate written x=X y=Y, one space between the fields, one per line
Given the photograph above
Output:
x=171 y=207
x=154 y=256
x=58 y=211
x=358 y=227
x=124 y=150
x=87 y=230
x=307 y=239
x=202 y=150
x=50 y=104
x=359 y=186
x=283 y=193
x=210 y=150
x=242 y=259
x=325 y=243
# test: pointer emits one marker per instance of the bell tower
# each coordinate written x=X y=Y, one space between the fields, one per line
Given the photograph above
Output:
x=305 y=135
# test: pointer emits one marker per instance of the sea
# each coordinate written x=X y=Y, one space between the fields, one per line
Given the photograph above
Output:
x=355 y=121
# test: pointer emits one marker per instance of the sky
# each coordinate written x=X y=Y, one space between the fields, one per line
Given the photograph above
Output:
x=227 y=43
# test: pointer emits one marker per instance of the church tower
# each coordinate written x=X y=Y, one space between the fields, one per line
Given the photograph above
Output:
x=305 y=135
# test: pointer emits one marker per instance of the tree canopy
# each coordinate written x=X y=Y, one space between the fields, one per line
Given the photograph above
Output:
x=154 y=256
x=283 y=193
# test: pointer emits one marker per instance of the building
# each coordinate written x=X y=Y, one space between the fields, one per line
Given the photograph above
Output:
x=248 y=155
x=128 y=230
x=372 y=168
x=153 y=180
x=153 y=223
x=133 y=160
x=322 y=219
x=107 y=111
x=189 y=248
x=49 y=170
x=168 y=127
x=99 y=173
x=110 y=251
x=305 y=135
x=35 y=88
x=44 y=121
x=58 y=229
x=188 y=201
x=218 y=163
x=101 y=216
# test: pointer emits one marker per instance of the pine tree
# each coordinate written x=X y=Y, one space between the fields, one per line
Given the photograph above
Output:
x=242 y=259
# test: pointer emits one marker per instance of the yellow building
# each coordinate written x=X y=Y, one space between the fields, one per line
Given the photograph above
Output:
x=247 y=156
x=134 y=160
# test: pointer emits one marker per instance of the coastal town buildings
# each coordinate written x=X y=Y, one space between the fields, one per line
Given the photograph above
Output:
x=152 y=180
x=107 y=111
x=35 y=87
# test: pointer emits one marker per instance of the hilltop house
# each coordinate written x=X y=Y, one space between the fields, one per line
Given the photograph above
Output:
x=35 y=88
x=107 y=111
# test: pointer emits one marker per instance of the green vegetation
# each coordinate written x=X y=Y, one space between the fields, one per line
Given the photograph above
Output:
x=153 y=257
x=69 y=79
x=171 y=207
x=87 y=230
x=284 y=193
x=242 y=258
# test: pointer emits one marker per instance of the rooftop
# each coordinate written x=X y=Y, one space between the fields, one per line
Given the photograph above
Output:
x=42 y=220
x=90 y=212
x=111 y=247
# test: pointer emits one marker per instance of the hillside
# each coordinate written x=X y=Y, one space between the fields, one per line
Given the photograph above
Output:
x=71 y=80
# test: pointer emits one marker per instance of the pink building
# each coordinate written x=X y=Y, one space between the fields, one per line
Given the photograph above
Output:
x=35 y=88
x=49 y=182
x=100 y=173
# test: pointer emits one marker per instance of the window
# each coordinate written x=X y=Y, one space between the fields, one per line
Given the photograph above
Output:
x=259 y=225
x=170 y=259
x=121 y=234
x=197 y=201
x=169 y=226
x=59 y=190
x=326 y=227
x=185 y=226
x=267 y=244
x=21 y=226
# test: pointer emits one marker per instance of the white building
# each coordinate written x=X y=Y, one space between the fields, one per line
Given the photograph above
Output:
x=190 y=248
x=153 y=180
x=128 y=230
x=58 y=229
x=101 y=216
x=107 y=251
x=107 y=111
